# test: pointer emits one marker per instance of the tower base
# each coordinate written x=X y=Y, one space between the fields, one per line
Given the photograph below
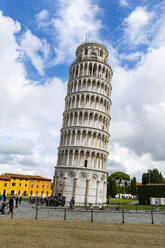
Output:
x=85 y=186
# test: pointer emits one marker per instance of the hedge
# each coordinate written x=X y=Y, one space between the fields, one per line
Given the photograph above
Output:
x=147 y=191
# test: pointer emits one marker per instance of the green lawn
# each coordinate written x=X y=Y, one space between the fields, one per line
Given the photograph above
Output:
x=21 y=233
x=114 y=201
x=139 y=207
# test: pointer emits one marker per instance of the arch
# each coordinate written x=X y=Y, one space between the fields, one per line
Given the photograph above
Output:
x=101 y=53
x=93 y=55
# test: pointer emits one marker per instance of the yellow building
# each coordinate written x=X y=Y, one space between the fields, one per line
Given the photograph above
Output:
x=4 y=184
x=17 y=184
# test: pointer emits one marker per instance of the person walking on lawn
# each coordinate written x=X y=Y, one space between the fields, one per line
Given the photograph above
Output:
x=16 y=202
x=11 y=205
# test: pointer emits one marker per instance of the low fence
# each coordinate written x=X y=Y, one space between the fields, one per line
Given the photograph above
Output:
x=97 y=215
x=107 y=215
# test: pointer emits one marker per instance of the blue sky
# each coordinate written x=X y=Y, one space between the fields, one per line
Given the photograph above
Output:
x=38 y=42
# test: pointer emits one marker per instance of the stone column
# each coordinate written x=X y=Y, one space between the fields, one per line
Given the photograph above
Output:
x=73 y=159
x=81 y=138
x=87 y=72
x=78 y=159
x=70 y=138
x=97 y=191
x=75 y=189
x=68 y=124
x=95 y=157
x=87 y=191
x=64 y=187
x=100 y=145
x=56 y=185
x=104 y=192
x=83 y=70
x=86 y=139
x=90 y=160
x=67 y=160
x=92 y=69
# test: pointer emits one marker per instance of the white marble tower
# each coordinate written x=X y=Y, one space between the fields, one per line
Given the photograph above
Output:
x=81 y=170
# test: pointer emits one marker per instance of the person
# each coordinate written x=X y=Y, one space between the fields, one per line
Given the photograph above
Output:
x=4 y=198
x=117 y=207
x=20 y=200
x=157 y=206
x=16 y=202
x=72 y=203
x=11 y=205
x=2 y=208
x=108 y=201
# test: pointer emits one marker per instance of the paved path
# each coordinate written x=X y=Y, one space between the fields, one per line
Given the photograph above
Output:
x=28 y=211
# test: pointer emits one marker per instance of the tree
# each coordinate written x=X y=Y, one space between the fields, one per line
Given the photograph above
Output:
x=144 y=178
x=119 y=176
x=156 y=176
x=152 y=176
x=133 y=186
x=111 y=187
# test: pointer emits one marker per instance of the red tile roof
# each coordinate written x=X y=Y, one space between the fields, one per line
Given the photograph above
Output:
x=4 y=177
x=12 y=175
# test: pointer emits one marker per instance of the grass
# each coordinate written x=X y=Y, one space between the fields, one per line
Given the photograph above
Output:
x=139 y=207
x=20 y=233
x=121 y=201
x=24 y=198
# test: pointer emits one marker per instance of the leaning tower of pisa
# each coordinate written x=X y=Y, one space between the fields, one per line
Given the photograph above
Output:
x=81 y=170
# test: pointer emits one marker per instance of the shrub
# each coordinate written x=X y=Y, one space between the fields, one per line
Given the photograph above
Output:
x=147 y=191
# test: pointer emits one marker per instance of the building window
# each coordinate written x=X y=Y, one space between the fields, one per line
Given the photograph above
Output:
x=93 y=55
x=47 y=187
x=31 y=192
x=13 y=184
x=19 y=192
x=36 y=193
x=5 y=184
x=25 y=184
x=37 y=186
x=20 y=184
x=86 y=163
x=32 y=186
x=38 y=180
x=101 y=53
x=43 y=186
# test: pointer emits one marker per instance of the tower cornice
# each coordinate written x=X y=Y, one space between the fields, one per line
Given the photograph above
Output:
x=87 y=92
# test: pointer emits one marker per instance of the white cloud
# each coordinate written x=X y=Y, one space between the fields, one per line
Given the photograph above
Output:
x=42 y=18
x=17 y=146
x=123 y=3
x=132 y=56
x=131 y=163
x=137 y=26
x=72 y=22
x=31 y=46
x=30 y=113
x=138 y=114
